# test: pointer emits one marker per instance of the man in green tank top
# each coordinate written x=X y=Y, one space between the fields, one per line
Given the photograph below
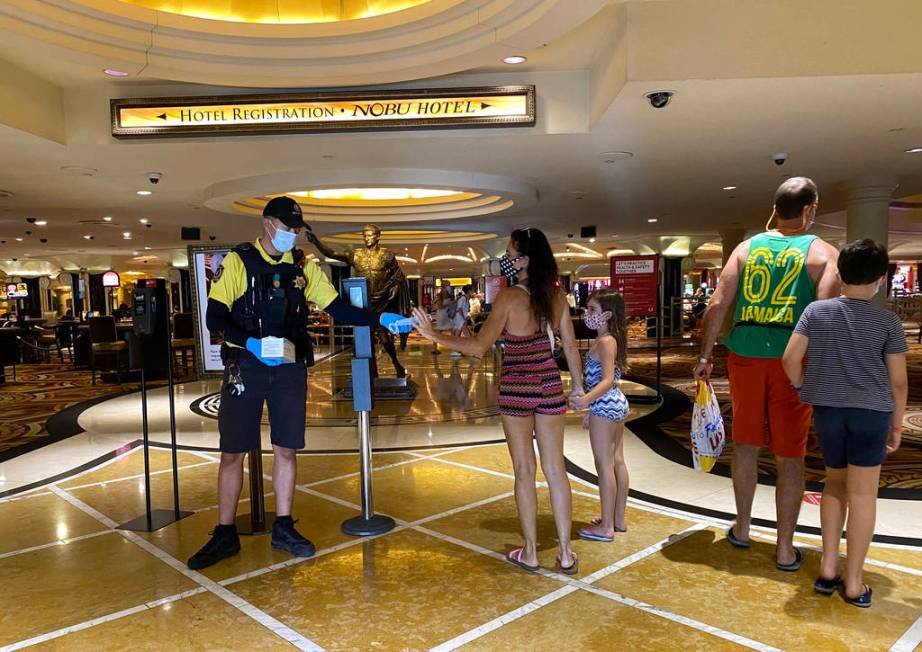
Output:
x=771 y=278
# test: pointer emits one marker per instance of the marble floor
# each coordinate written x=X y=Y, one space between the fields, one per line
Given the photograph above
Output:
x=438 y=581
x=73 y=581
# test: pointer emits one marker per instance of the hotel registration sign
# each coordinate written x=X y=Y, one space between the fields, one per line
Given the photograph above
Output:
x=435 y=108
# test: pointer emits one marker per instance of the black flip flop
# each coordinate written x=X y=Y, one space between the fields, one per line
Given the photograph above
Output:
x=863 y=601
x=516 y=559
x=827 y=587
x=795 y=565
x=736 y=543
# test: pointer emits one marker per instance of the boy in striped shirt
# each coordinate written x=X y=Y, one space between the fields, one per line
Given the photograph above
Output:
x=855 y=378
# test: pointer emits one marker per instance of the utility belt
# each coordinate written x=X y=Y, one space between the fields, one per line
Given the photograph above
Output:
x=231 y=355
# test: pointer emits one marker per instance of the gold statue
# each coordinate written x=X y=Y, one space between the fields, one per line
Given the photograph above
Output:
x=388 y=286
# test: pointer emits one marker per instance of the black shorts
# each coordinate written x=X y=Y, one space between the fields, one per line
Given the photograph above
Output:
x=283 y=388
x=852 y=436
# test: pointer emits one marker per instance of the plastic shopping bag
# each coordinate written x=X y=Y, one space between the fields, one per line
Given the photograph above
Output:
x=707 y=430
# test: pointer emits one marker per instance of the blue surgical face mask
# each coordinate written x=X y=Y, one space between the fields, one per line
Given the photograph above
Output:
x=283 y=241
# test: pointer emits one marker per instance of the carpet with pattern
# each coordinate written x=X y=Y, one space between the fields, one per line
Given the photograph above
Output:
x=902 y=470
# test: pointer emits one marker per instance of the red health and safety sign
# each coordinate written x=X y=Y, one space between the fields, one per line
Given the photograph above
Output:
x=492 y=286
x=636 y=278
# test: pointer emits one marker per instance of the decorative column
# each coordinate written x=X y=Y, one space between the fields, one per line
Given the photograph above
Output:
x=868 y=213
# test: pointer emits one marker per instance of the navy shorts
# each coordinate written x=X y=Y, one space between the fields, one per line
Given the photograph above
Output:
x=283 y=388
x=852 y=436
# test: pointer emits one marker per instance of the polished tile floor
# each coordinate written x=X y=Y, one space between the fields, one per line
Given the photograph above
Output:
x=438 y=581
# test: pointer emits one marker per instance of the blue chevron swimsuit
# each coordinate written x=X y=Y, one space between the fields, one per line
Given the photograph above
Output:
x=611 y=405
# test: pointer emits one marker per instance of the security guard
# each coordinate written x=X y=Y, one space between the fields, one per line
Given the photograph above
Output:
x=261 y=291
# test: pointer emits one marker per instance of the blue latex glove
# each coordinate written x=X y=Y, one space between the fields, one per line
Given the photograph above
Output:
x=254 y=347
x=395 y=323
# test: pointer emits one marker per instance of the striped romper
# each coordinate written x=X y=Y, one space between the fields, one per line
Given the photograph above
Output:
x=529 y=380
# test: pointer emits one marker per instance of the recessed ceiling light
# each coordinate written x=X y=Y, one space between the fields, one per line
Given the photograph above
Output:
x=591 y=239
x=144 y=193
x=143 y=220
x=41 y=222
x=127 y=235
x=729 y=188
x=112 y=72
x=653 y=219
x=914 y=150
x=515 y=60
x=107 y=219
x=146 y=248
x=87 y=237
x=18 y=239
x=135 y=253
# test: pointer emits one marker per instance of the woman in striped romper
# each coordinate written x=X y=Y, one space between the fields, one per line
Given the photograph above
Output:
x=531 y=399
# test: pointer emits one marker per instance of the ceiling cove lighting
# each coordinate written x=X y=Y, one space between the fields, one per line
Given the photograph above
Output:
x=375 y=194
x=515 y=60
x=435 y=259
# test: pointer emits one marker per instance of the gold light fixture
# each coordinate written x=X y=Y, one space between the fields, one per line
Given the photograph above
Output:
x=278 y=11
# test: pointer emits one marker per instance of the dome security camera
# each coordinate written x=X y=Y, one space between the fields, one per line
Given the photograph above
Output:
x=780 y=158
x=659 y=99
x=28 y=232
x=154 y=177
x=212 y=238
x=43 y=240
x=149 y=225
x=30 y=220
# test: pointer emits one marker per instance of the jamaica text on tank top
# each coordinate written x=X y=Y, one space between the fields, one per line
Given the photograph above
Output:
x=775 y=288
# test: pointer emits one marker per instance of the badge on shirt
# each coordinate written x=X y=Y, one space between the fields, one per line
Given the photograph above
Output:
x=217 y=274
x=300 y=282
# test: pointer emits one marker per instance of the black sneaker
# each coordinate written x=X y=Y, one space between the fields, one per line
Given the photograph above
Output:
x=286 y=537
x=224 y=543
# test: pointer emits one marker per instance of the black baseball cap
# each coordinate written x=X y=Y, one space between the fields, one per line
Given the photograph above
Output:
x=286 y=210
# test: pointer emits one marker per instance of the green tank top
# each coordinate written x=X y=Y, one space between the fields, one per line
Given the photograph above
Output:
x=774 y=289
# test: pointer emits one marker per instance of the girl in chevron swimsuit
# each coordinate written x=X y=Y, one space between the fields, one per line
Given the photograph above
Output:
x=608 y=409
x=531 y=398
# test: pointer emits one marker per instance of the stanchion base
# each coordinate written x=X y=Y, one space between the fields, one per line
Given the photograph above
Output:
x=362 y=527
x=244 y=524
x=158 y=518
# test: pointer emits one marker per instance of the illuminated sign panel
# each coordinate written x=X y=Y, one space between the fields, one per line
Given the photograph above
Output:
x=443 y=108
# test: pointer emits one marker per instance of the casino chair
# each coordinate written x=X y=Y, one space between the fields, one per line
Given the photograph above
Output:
x=183 y=339
x=105 y=346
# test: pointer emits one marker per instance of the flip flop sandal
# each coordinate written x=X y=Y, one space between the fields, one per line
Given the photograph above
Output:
x=597 y=521
x=863 y=601
x=515 y=557
x=589 y=535
x=826 y=587
x=572 y=569
x=739 y=543
x=794 y=565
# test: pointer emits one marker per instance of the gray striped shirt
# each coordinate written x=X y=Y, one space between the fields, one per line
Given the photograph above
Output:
x=848 y=342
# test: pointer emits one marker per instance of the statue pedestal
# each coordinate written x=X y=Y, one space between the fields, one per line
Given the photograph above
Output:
x=389 y=389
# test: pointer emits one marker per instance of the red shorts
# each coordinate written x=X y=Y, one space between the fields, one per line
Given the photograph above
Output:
x=761 y=391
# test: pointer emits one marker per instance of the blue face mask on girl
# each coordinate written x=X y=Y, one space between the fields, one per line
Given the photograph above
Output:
x=283 y=241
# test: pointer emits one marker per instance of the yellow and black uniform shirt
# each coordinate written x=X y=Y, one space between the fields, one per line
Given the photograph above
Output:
x=230 y=281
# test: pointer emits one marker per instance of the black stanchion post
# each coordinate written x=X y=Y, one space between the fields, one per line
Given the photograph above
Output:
x=146 y=435
x=150 y=319
x=257 y=521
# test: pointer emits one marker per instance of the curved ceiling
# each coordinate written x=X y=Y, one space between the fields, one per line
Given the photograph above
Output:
x=423 y=39
x=381 y=195
x=278 y=11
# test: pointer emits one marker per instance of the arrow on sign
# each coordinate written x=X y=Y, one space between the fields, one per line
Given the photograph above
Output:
x=162 y=116
x=484 y=105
